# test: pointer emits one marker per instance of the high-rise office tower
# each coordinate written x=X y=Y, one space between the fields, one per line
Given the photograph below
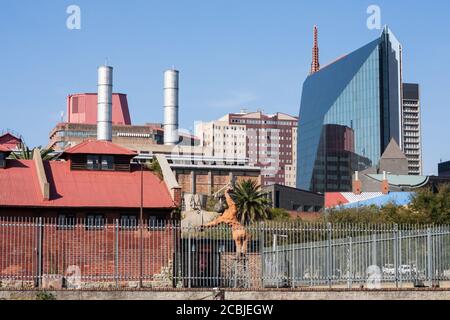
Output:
x=412 y=144
x=350 y=110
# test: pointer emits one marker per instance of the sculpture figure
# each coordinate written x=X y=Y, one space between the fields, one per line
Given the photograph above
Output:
x=229 y=217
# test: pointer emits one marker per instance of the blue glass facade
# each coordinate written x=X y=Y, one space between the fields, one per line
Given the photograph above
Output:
x=349 y=111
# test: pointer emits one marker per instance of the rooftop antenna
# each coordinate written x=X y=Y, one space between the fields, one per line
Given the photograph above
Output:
x=62 y=116
x=315 y=65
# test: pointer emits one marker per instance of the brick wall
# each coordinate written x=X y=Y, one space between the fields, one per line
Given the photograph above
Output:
x=241 y=272
x=100 y=253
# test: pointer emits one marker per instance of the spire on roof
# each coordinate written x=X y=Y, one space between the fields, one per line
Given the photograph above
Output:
x=393 y=151
x=315 y=65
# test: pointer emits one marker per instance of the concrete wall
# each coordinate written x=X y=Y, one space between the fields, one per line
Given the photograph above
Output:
x=422 y=294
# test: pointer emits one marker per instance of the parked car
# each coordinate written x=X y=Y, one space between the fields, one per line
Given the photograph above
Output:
x=407 y=269
x=404 y=269
x=388 y=269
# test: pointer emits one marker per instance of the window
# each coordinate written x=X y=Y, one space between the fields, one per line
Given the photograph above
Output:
x=97 y=162
x=128 y=221
x=66 y=221
x=95 y=221
x=107 y=162
x=93 y=162
x=2 y=160
x=156 y=224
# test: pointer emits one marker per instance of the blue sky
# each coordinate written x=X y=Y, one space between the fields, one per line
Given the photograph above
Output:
x=231 y=54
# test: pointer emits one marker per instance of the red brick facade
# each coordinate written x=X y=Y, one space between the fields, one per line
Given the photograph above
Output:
x=102 y=254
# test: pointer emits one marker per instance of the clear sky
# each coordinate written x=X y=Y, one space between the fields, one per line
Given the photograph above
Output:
x=232 y=54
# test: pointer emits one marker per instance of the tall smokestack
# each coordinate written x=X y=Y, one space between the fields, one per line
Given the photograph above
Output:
x=104 y=103
x=171 y=136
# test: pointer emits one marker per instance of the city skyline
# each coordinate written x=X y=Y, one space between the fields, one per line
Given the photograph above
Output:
x=260 y=64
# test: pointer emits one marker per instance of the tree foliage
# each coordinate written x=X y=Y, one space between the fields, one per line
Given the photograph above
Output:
x=278 y=214
x=155 y=167
x=251 y=202
x=426 y=207
x=26 y=153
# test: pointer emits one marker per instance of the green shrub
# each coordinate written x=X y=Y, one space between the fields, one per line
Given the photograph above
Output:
x=43 y=295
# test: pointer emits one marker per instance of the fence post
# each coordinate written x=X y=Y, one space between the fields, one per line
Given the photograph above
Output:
x=39 y=254
x=329 y=233
x=350 y=262
x=396 y=254
x=261 y=249
x=189 y=258
x=374 y=249
x=293 y=256
x=429 y=257
x=116 y=253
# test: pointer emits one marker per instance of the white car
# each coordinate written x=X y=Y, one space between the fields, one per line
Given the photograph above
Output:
x=406 y=269
x=388 y=269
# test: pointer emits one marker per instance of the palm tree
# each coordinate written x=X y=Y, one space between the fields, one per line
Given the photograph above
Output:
x=251 y=202
x=26 y=153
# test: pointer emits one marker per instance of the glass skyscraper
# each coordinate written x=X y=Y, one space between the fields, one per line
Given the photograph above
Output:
x=350 y=110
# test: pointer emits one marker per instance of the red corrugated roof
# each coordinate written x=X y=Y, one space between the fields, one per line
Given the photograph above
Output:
x=334 y=199
x=99 y=147
x=4 y=149
x=95 y=189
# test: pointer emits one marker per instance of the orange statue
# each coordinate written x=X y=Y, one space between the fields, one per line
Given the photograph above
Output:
x=229 y=217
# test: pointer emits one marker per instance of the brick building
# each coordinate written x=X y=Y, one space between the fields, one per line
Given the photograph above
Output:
x=96 y=178
x=83 y=201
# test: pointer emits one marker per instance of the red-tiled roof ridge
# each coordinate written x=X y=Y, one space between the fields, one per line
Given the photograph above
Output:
x=4 y=149
x=99 y=147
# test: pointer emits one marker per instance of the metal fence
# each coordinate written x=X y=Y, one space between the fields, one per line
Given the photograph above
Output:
x=121 y=253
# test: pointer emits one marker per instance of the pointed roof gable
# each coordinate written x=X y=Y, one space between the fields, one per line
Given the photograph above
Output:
x=393 y=151
x=99 y=147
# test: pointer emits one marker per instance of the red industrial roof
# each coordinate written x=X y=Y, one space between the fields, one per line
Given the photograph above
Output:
x=4 y=149
x=82 y=108
x=99 y=147
x=77 y=188
x=334 y=199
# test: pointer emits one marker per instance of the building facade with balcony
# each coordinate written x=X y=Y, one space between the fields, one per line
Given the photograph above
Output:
x=266 y=140
x=412 y=141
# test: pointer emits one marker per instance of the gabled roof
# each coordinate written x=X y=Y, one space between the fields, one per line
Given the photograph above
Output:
x=81 y=189
x=99 y=147
x=393 y=151
x=408 y=181
x=351 y=200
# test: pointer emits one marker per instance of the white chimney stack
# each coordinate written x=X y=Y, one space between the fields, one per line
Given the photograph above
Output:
x=171 y=136
x=104 y=103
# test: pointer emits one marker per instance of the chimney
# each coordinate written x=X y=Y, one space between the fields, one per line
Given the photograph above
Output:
x=104 y=103
x=357 y=184
x=171 y=136
x=315 y=65
x=44 y=185
x=385 y=184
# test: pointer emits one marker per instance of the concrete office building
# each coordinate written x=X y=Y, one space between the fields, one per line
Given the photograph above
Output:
x=412 y=141
x=266 y=140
